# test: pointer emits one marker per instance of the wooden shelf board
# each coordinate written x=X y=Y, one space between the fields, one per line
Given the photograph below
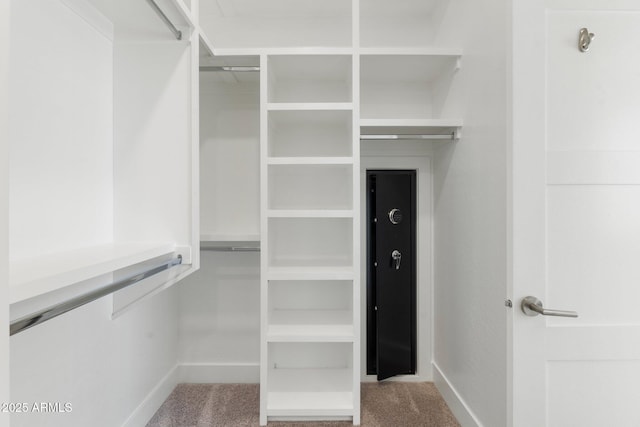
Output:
x=310 y=160
x=310 y=273
x=32 y=277
x=411 y=51
x=310 y=106
x=310 y=326
x=310 y=213
x=309 y=404
x=444 y=127
x=229 y=238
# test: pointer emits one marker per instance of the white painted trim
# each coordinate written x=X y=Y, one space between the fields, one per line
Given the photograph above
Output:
x=226 y=373
x=91 y=16
x=156 y=397
x=456 y=403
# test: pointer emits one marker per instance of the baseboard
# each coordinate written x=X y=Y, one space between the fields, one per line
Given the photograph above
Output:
x=229 y=373
x=156 y=397
x=460 y=409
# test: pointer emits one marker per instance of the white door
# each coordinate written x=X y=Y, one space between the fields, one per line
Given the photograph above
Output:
x=576 y=199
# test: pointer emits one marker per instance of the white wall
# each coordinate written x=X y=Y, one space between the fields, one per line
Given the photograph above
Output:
x=219 y=320
x=105 y=368
x=470 y=202
x=4 y=208
x=61 y=122
x=219 y=314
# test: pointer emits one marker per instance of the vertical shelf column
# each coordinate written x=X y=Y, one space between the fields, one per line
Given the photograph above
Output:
x=310 y=233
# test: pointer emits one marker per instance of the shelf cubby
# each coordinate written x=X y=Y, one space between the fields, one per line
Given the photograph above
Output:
x=406 y=86
x=257 y=24
x=309 y=79
x=310 y=242
x=310 y=187
x=310 y=379
x=324 y=133
x=229 y=152
x=399 y=23
x=310 y=311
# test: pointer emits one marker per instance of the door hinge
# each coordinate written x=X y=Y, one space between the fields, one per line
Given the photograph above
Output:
x=508 y=303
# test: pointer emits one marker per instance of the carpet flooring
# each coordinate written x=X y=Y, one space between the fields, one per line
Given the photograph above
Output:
x=385 y=404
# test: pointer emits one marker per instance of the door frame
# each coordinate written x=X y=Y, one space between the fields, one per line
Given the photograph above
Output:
x=405 y=159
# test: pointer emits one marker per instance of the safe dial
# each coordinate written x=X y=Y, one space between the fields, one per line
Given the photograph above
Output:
x=395 y=216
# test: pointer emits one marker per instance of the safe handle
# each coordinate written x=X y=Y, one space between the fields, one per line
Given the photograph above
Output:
x=396 y=256
x=532 y=306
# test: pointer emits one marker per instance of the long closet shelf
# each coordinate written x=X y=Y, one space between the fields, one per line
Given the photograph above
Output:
x=37 y=276
x=140 y=17
x=310 y=273
x=310 y=160
x=310 y=213
x=310 y=106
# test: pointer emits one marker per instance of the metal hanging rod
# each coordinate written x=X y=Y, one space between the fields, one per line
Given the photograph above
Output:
x=445 y=136
x=56 y=310
x=230 y=248
x=177 y=33
x=234 y=68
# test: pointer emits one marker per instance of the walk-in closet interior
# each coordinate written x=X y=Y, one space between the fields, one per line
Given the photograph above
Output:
x=206 y=160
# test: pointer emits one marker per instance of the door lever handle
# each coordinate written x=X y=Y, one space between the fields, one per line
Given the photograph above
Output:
x=532 y=306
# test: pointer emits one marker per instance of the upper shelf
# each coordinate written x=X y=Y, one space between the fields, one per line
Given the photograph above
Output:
x=276 y=23
x=405 y=23
x=448 y=128
x=137 y=20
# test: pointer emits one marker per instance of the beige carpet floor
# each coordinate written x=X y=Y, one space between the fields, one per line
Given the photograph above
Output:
x=385 y=404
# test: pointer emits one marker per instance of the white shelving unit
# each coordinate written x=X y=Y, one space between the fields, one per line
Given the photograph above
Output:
x=330 y=72
x=310 y=179
x=106 y=179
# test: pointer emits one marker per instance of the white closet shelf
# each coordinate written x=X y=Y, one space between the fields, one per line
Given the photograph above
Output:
x=310 y=326
x=310 y=273
x=310 y=160
x=411 y=51
x=309 y=404
x=229 y=238
x=310 y=106
x=310 y=213
x=138 y=18
x=445 y=127
x=253 y=51
x=381 y=69
x=33 y=277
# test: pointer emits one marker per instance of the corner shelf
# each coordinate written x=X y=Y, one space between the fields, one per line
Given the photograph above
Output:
x=445 y=127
